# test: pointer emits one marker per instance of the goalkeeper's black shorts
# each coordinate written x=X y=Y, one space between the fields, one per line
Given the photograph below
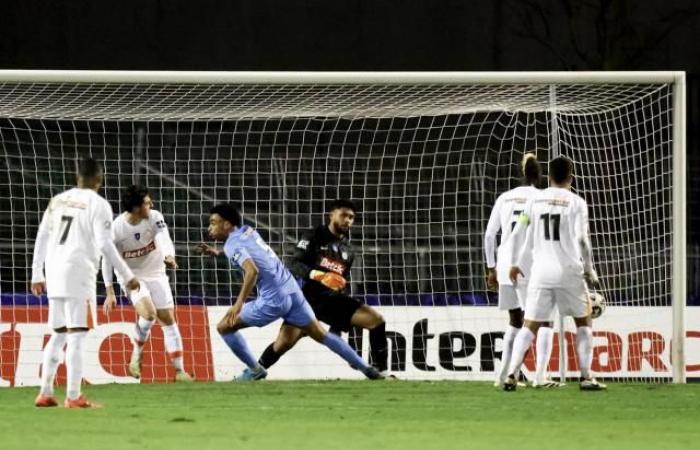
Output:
x=332 y=308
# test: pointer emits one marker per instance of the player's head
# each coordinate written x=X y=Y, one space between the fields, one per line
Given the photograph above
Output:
x=224 y=218
x=89 y=174
x=561 y=171
x=532 y=170
x=137 y=200
x=341 y=215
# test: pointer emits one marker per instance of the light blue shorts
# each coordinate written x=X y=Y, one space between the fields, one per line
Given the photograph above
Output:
x=293 y=308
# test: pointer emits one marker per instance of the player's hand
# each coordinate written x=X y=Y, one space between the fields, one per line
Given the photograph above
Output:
x=133 y=285
x=110 y=303
x=591 y=279
x=232 y=314
x=170 y=262
x=208 y=250
x=491 y=278
x=329 y=279
x=513 y=275
x=38 y=288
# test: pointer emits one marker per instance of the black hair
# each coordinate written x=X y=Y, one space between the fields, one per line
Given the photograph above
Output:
x=229 y=212
x=133 y=196
x=341 y=203
x=532 y=170
x=560 y=169
x=89 y=169
x=542 y=182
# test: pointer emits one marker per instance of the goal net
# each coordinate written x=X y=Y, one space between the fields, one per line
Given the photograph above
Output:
x=424 y=157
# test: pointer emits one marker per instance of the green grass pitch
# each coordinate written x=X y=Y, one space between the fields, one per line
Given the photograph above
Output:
x=357 y=415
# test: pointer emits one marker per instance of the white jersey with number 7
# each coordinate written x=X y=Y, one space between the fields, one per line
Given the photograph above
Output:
x=75 y=229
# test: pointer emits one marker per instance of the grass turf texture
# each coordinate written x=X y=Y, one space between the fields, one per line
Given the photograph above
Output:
x=357 y=415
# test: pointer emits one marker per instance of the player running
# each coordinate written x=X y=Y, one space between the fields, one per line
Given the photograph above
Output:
x=74 y=231
x=279 y=295
x=322 y=264
x=141 y=236
x=504 y=216
x=562 y=266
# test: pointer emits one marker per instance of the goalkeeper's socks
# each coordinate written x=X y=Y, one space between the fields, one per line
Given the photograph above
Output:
x=545 y=339
x=584 y=349
x=143 y=328
x=269 y=356
x=379 y=347
x=51 y=358
x=520 y=346
x=342 y=349
x=238 y=345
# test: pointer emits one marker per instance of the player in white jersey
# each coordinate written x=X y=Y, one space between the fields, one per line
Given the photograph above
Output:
x=141 y=236
x=73 y=232
x=511 y=298
x=562 y=265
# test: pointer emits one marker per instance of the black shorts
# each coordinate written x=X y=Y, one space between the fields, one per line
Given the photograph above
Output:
x=332 y=308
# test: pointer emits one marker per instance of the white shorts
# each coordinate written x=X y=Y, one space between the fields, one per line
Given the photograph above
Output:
x=158 y=289
x=512 y=297
x=68 y=312
x=571 y=301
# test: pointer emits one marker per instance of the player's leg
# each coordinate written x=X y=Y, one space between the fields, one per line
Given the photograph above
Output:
x=146 y=317
x=52 y=353
x=543 y=344
x=508 y=300
x=162 y=298
x=369 y=318
x=575 y=302
x=287 y=338
x=538 y=309
x=253 y=314
x=80 y=318
x=302 y=316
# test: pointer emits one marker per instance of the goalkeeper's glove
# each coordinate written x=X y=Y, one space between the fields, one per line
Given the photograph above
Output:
x=591 y=279
x=329 y=279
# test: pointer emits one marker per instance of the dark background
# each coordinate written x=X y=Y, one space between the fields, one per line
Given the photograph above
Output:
x=368 y=35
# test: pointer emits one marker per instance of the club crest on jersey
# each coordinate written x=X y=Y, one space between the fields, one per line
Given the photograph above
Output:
x=137 y=236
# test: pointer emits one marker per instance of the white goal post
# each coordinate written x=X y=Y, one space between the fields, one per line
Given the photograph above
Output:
x=424 y=154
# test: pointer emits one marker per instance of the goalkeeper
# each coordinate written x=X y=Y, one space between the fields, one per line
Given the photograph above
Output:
x=322 y=264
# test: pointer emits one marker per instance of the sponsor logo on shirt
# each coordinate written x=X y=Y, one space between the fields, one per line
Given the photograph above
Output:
x=160 y=224
x=332 y=265
x=138 y=253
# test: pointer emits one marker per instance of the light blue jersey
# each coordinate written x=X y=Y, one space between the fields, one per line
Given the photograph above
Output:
x=274 y=280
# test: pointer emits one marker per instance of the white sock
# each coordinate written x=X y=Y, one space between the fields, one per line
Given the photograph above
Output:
x=74 y=363
x=520 y=347
x=143 y=330
x=545 y=339
x=584 y=349
x=51 y=358
x=173 y=345
x=508 y=339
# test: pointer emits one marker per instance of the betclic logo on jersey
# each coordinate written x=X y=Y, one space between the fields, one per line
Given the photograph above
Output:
x=143 y=251
x=332 y=265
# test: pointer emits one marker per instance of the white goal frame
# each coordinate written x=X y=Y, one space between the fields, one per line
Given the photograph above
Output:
x=674 y=78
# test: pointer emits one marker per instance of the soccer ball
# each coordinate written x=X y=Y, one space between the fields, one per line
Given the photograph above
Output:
x=597 y=304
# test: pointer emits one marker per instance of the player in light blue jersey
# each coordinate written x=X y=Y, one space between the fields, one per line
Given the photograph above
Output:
x=279 y=295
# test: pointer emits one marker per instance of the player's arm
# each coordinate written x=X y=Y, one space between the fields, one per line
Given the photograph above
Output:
x=584 y=241
x=102 y=229
x=40 y=245
x=490 y=245
x=303 y=260
x=108 y=279
x=163 y=240
x=250 y=278
x=520 y=240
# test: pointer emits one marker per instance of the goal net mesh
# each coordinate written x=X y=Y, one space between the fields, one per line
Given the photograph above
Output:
x=423 y=162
